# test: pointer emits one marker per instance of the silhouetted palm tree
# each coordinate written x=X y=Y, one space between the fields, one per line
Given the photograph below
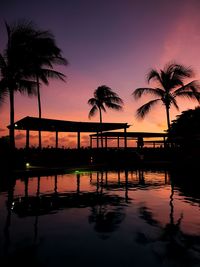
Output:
x=42 y=56
x=30 y=54
x=13 y=65
x=169 y=85
x=104 y=97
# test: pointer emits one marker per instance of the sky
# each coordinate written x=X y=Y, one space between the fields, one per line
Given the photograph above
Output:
x=107 y=42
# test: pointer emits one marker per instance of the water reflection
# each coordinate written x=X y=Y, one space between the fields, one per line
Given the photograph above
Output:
x=106 y=221
x=9 y=206
x=110 y=204
x=172 y=246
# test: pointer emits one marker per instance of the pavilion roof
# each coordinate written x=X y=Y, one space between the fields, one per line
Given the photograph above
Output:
x=43 y=124
x=132 y=134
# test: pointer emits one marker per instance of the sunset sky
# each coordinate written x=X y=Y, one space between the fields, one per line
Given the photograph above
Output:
x=111 y=42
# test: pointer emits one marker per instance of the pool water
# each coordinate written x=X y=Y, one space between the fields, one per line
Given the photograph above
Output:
x=113 y=218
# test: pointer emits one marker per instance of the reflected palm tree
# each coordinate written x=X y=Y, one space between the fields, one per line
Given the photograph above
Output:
x=126 y=186
x=107 y=209
x=141 y=177
x=147 y=215
x=9 y=206
x=106 y=220
x=104 y=97
x=169 y=86
x=103 y=215
x=172 y=245
x=37 y=211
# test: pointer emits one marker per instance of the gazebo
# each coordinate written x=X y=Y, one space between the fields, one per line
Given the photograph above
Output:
x=138 y=136
x=51 y=125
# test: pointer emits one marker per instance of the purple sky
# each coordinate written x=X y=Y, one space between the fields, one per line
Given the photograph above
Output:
x=112 y=42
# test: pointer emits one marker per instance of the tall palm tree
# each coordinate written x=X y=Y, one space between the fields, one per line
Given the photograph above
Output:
x=104 y=97
x=44 y=54
x=169 y=85
x=28 y=59
x=12 y=66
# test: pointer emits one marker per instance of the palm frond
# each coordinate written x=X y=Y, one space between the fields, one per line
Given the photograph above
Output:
x=113 y=106
x=93 y=111
x=41 y=76
x=92 y=101
x=190 y=95
x=174 y=103
x=101 y=106
x=2 y=62
x=3 y=91
x=27 y=87
x=193 y=86
x=144 y=109
x=154 y=75
x=114 y=99
x=143 y=91
x=178 y=74
x=53 y=74
x=60 y=61
x=180 y=71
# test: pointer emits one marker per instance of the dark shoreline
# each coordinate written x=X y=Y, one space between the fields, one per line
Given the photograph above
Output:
x=52 y=161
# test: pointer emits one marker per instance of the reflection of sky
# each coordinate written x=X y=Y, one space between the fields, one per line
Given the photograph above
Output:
x=108 y=233
x=153 y=193
x=111 y=42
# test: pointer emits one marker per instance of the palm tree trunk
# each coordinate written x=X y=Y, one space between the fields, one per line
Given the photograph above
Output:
x=100 y=115
x=12 y=120
x=39 y=109
x=168 y=118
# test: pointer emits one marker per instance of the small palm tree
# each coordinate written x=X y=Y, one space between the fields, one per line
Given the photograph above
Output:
x=104 y=97
x=169 y=85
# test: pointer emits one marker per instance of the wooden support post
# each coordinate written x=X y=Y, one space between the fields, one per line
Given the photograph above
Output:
x=78 y=140
x=56 y=139
x=27 y=139
x=97 y=140
x=125 y=138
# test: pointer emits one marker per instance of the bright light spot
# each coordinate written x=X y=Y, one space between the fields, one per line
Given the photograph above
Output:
x=27 y=164
x=12 y=206
x=16 y=125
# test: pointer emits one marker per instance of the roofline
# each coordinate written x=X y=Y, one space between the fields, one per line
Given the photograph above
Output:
x=45 y=124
